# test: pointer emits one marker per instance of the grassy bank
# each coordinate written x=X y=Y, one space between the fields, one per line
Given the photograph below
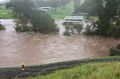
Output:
x=6 y=13
x=82 y=68
x=88 y=71
x=62 y=12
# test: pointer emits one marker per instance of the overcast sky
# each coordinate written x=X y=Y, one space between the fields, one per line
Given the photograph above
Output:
x=1 y=0
x=4 y=0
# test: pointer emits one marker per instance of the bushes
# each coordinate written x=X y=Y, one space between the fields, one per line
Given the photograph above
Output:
x=88 y=31
x=42 y=22
x=66 y=33
x=114 y=30
x=73 y=29
x=91 y=29
x=115 y=51
x=31 y=19
x=23 y=28
x=78 y=28
x=39 y=22
x=2 y=27
x=22 y=24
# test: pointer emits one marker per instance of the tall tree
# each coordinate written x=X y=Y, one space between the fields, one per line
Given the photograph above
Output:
x=108 y=16
x=64 y=2
x=30 y=19
x=53 y=3
x=77 y=4
x=42 y=22
x=92 y=7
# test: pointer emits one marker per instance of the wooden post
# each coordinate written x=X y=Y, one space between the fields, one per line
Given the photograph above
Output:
x=23 y=67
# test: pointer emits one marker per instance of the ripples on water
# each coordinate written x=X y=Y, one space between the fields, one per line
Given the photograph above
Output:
x=41 y=49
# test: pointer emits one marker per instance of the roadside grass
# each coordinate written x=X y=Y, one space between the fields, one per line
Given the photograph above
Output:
x=87 y=71
x=62 y=12
x=6 y=13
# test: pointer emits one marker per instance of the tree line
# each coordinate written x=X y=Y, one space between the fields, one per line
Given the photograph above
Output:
x=29 y=19
x=108 y=13
x=52 y=3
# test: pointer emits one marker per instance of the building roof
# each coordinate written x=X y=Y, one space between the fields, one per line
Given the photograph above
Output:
x=74 y=17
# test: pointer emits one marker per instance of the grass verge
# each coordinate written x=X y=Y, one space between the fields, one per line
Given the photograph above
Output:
x=87 y=71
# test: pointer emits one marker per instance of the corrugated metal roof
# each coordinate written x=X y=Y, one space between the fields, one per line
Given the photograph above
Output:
x=74 y=17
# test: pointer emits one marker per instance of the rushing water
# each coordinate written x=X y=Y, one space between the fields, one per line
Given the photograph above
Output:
x=16 y=48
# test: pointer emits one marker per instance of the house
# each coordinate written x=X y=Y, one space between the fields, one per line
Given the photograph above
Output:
x=71 y=20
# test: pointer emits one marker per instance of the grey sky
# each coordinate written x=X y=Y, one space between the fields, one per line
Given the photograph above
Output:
x=4 y=0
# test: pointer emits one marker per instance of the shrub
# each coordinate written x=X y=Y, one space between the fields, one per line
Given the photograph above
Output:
x=78 y=27
x=88 y=31
x=39 y=21
x=114 y=30
x=66 y=33
x=42 y=22
x=22 y=28
x=115 y=51
x=2 y=27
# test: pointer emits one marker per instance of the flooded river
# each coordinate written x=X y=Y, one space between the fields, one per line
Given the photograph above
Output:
x=16 y=48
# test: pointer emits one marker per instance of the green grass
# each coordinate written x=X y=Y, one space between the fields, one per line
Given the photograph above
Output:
x=59 y=14
x=62 y=12
x=6 y=13
x=88 y=71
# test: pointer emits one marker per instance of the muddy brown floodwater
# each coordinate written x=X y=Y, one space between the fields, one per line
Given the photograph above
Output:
x=38 y=49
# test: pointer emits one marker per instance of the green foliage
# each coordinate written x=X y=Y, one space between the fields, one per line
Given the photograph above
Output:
x=30 y=19
x=91 y=29
x=6 y=13
x=23 y=8
x=88 y=71
x=115 y=51
x=88 y=31
x=62 y=12
x=114 y=30
x=2 y=27
x=109 y=19
x=22 y=28
x=52 y=3
x=73 y=29
x=78 y=28
x=42 y=22
x=9 y=5
x=92 y=7
x=66 y=33
x=108 y=12
x=77 y=3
